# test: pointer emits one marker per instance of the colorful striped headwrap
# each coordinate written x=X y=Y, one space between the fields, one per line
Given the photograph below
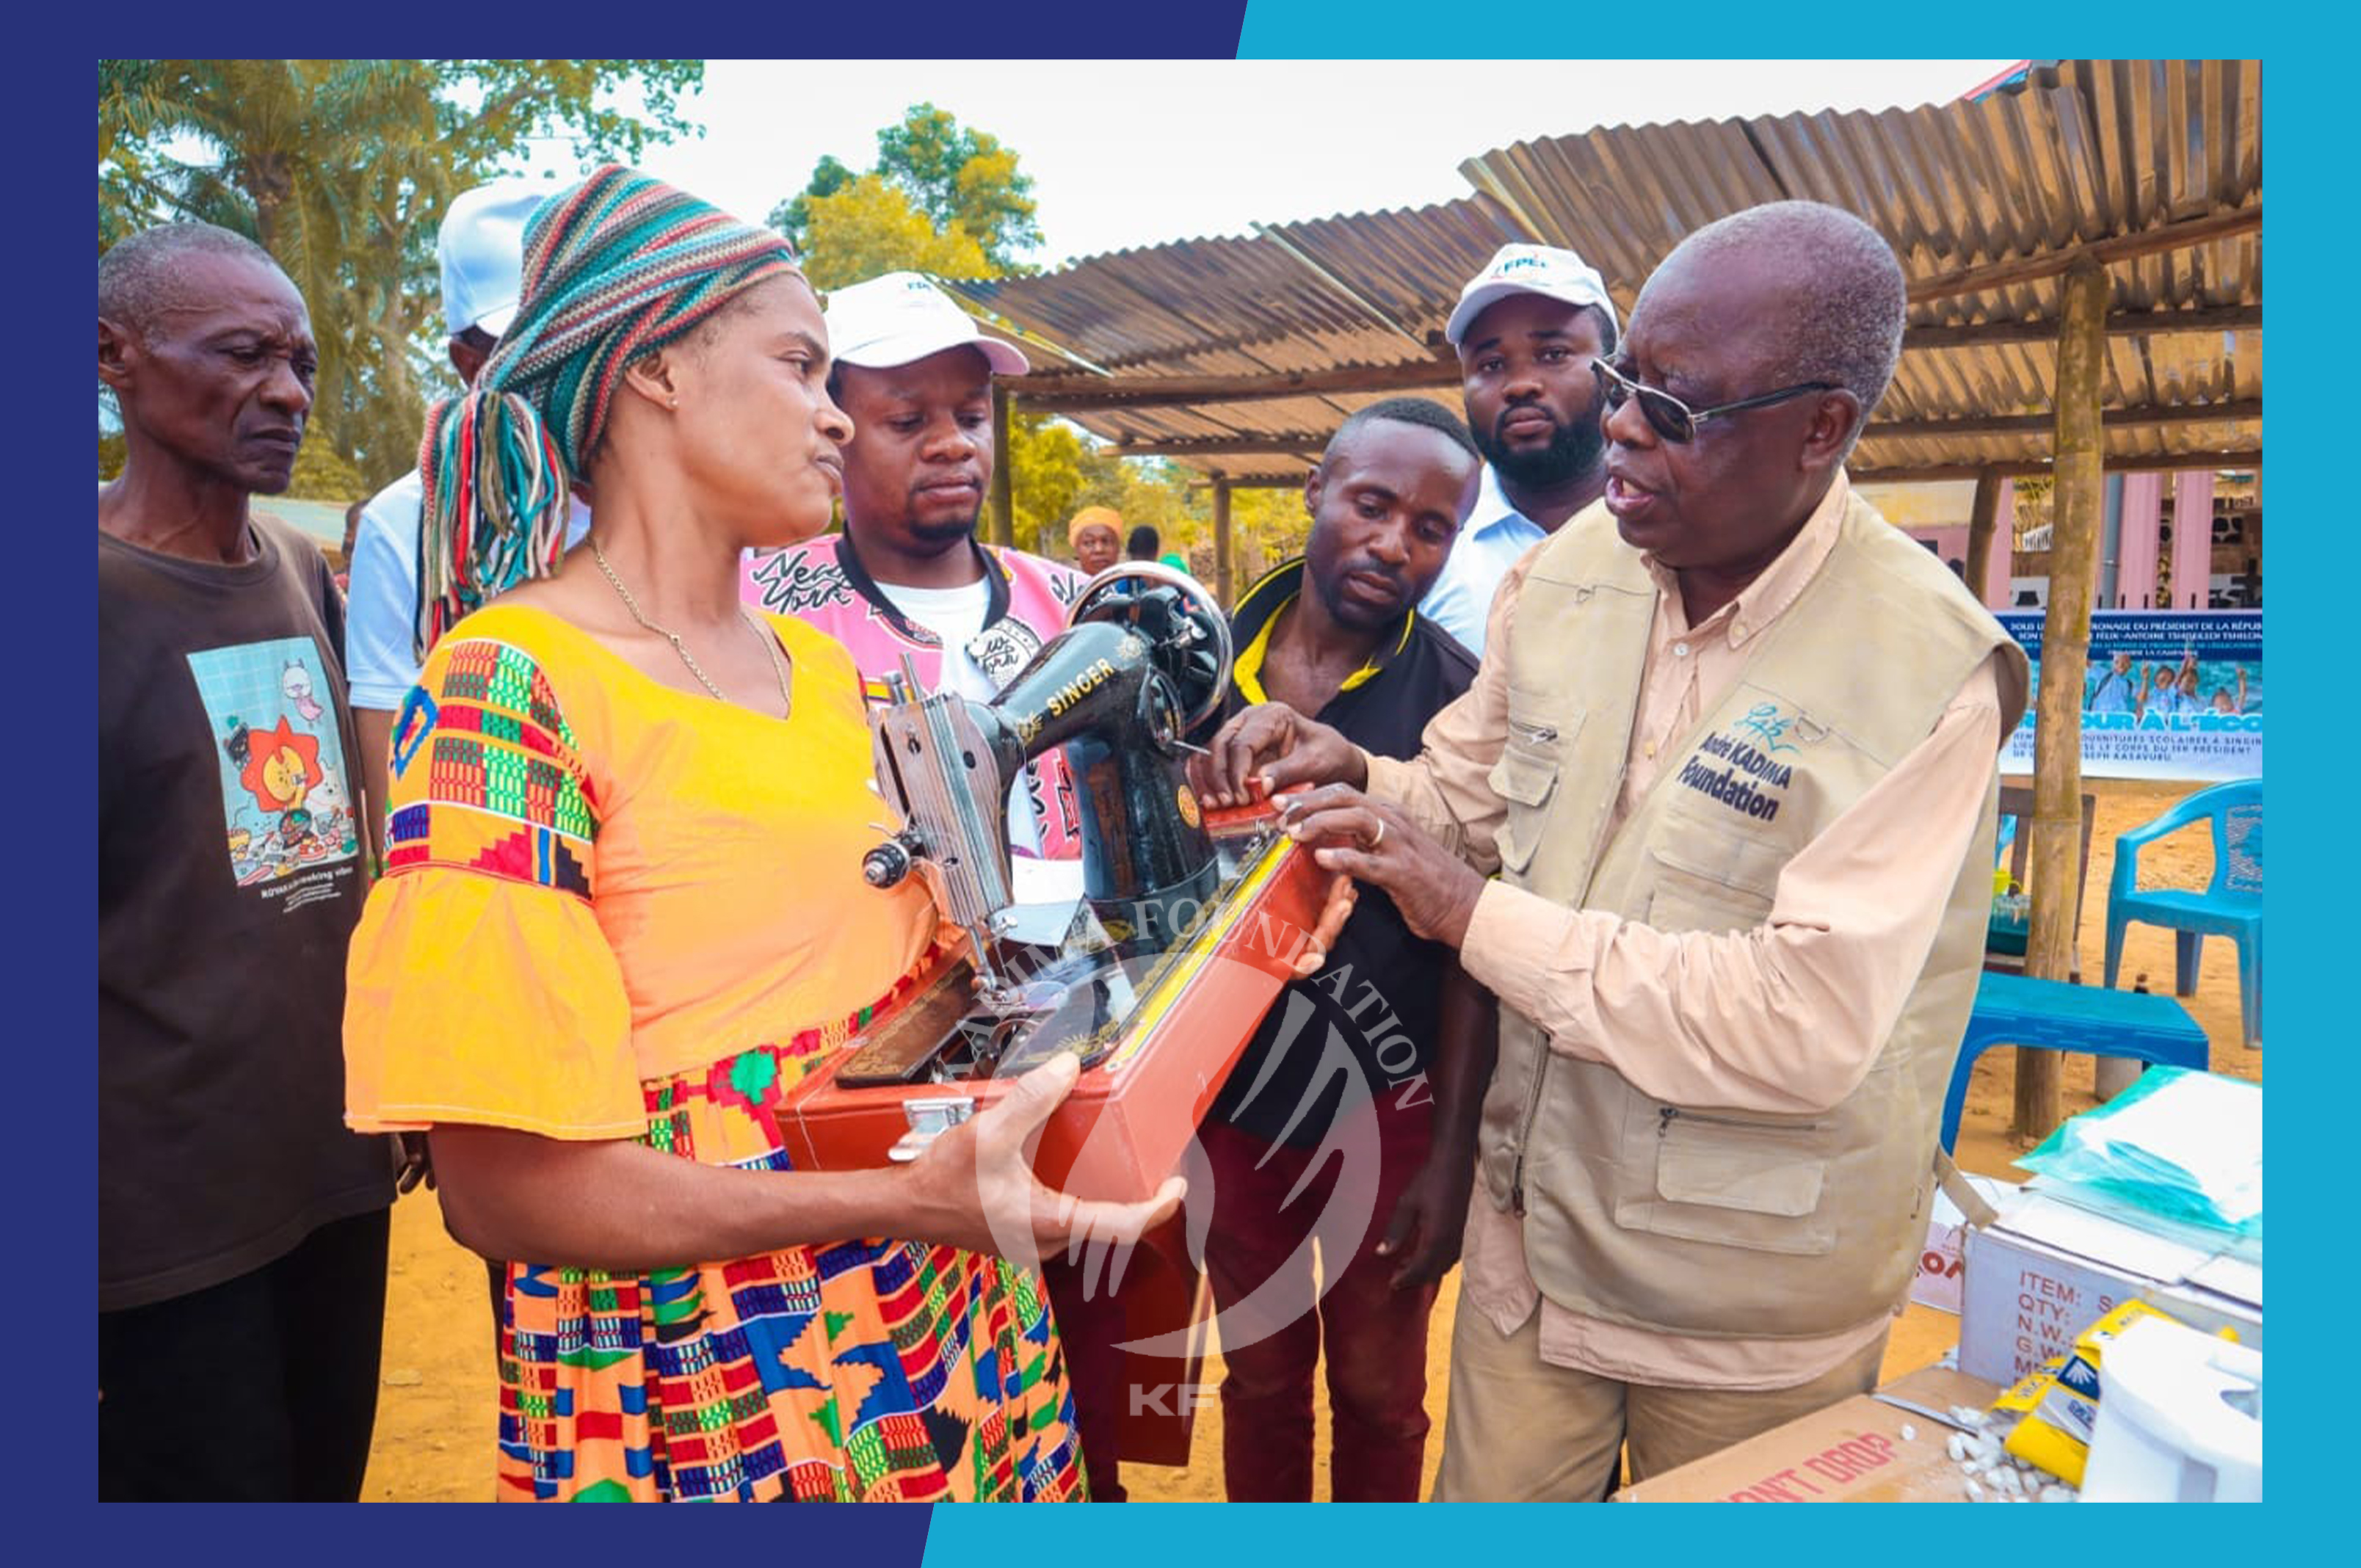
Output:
x=614 y=268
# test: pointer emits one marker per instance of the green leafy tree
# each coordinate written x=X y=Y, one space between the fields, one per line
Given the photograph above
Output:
x=1047 y=462
x=1145 y=491
x=342 y=170
x=321 y=475
x=1267 y=527
x=961 y=178
x=962 y=185
x=868 y=226
x=793 y=216
x=950 y=201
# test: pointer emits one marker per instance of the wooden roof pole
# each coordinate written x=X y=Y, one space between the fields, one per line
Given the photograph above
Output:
x=1982 y=525
x=2077 y=502
x=1222 y=570
x=1055 y=393
x=2238 y=411
x=2099 y=253
x=2238 y=458
x=1004 y=505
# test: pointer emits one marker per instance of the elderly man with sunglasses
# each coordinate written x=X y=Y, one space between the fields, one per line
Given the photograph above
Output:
x=1732 y=754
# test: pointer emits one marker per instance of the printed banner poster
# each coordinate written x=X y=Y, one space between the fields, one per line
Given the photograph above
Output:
x=2168 y=694
x=285 y=796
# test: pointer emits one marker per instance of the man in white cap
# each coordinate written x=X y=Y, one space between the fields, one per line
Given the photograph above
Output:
x=1526 y=329
x=909 y=579
x=908 y=576
x=481 y=246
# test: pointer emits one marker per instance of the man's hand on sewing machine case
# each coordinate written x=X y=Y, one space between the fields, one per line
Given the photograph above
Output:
x=974 y=1188
x=1375 y=841
x=1288 y=748
x=1269 y=748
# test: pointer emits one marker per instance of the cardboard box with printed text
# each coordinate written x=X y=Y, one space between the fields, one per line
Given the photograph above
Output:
x=2047 y=1269
x=1860 y=1450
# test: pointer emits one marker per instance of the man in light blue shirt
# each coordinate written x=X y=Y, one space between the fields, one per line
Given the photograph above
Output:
x=481 y=249
x=1526 y=328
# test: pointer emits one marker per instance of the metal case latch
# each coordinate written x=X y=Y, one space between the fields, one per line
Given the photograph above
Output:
x=931 y=1116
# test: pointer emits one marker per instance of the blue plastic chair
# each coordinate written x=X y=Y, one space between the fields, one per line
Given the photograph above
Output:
x=2231 y=905
x=2016 y=1010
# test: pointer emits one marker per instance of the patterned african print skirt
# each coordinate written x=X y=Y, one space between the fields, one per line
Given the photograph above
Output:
x=861 y=1371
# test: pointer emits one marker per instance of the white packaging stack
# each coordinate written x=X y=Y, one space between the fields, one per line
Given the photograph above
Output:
x=2066 y=1251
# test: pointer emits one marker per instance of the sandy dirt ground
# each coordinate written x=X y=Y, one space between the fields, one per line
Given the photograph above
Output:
x=435 y=1426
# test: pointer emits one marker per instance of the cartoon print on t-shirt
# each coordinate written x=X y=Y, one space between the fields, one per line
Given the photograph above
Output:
x=285 y=798
x=295 y=681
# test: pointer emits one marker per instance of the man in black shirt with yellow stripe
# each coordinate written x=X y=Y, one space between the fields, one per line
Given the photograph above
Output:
x=1363 y=1083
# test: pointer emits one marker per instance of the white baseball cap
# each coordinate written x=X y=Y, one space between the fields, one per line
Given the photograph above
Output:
x=481 y=246
x=1529 y=270
x=899 y=317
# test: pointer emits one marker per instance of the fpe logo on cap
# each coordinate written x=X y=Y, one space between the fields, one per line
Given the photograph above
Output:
x=1531 y=270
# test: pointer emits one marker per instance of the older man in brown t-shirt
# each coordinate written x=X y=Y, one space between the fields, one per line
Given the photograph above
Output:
x=242 y=1230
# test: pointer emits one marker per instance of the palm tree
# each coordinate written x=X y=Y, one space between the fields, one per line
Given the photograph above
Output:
x=342 y=170
x=314 y=160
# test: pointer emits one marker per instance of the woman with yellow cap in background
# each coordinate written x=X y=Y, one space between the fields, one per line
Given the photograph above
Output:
x=1096 y=534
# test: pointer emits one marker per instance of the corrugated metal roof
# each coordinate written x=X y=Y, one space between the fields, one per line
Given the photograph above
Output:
x=1410 y=264
x=2077 y=153
x=1208 y=305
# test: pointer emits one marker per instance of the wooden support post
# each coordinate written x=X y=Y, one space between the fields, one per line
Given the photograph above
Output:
x=2057 y=831
x=1004 y=507
x=1982 y=522
x=1222 y=539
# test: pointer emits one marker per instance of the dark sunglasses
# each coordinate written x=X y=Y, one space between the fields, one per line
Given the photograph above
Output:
x=1675 y=419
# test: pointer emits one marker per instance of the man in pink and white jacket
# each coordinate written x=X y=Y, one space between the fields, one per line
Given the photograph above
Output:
x=908 y=576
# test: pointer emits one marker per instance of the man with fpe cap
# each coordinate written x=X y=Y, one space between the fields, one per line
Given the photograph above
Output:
x=1526 y=329
x=481 y=249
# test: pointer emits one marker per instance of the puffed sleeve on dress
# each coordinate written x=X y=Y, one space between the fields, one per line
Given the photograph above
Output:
x=479 y=988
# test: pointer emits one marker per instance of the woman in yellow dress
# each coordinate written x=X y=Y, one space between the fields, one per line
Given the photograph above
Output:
x=623 y=914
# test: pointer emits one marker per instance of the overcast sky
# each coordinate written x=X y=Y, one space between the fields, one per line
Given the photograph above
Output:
x=1136 y=152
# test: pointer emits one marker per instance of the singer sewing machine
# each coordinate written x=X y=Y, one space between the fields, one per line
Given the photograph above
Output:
x=1189 y=927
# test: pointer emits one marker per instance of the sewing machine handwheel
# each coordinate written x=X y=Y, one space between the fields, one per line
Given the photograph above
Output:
x=886 y=865
x=1200 y=597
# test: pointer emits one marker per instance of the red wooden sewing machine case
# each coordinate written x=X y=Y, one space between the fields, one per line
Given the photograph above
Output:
x=1129 y=1121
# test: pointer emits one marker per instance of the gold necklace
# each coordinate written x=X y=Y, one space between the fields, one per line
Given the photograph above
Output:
x=769 y=641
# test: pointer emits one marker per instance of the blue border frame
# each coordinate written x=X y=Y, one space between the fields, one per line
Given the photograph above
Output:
x=60 y=1148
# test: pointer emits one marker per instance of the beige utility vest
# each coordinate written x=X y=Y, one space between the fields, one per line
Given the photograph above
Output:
x=1694 y=1219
